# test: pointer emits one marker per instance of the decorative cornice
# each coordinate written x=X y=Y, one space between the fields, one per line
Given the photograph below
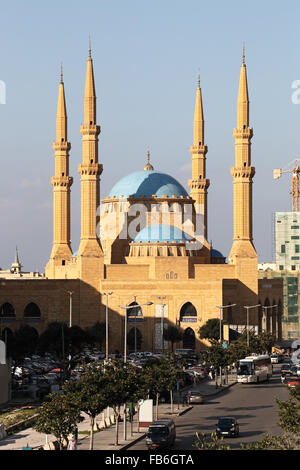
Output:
x=91 y=129
x=243 y=172
x=62 y=181
x=90 y=169
x=61 y=146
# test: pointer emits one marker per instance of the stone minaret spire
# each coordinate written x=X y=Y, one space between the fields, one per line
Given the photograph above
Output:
x=199 y=183
x=61 y=182
x=242 y=174
x=90 y=170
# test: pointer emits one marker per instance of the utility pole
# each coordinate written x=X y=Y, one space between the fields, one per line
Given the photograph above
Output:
x=248 y=308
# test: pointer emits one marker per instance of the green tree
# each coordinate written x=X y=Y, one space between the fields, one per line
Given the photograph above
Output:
x=23 y=342
x=59 y=417
x=267 y=340
x=124 y=383
x=210 y=330
x=156 y=379
x=172 y=334
x=96 y=334
x=173 y=371
x=209 y=442
x=64 y=342
x=53 y=339
x=89 y=393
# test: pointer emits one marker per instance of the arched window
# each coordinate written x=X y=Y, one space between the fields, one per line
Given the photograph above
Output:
x=188 y=339
x=7 y=311
x=188 y=310
x=134 y=311
x=32 y=312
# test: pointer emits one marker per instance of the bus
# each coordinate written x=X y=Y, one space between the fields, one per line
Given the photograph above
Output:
x=254 y=369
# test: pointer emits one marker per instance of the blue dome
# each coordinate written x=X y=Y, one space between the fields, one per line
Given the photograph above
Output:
x=216 y=254
x=161 y=233
x=148 y=183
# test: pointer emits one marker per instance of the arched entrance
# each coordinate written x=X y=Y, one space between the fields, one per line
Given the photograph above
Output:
x=189 y=339
x=134 y=339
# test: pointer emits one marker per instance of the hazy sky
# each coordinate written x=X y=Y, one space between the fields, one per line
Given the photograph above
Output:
x=146 y=60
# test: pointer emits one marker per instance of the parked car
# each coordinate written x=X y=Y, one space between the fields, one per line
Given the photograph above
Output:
x=227 y=426
x=274 y=359
x=292 y=382
x=161 y=434
x=285 y=369
x=195 y=397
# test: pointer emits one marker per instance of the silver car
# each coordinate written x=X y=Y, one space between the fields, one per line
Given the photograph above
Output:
x=195 y=397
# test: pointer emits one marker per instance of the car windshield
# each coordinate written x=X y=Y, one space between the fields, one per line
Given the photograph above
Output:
x=195 y=394
x=226 y=422
x=158 y=430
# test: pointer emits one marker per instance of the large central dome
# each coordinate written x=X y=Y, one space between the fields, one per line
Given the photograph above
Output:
x=148 y=183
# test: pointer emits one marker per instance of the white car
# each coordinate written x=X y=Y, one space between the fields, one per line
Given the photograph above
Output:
x=274 y=359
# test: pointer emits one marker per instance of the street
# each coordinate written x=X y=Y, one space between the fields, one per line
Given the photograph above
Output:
x=253 y=405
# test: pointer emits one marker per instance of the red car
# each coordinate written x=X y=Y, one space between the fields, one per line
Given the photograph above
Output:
x=293 y=381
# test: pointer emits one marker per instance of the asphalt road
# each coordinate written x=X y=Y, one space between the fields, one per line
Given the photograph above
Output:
x=253 y=405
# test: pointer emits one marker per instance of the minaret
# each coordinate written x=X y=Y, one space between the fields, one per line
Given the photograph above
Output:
x=199 y=183
x=61 y=182
x=242 y=174
x=16 y=266
x=90 y=170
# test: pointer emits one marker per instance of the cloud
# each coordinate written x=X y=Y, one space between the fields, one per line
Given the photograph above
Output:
x=30 y=183
x=187 y=168
x=9 y=203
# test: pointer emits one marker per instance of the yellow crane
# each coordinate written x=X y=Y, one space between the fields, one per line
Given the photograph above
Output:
x=278 y=172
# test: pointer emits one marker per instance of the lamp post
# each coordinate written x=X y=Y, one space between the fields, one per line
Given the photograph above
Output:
x=248 y=308
x=71 y=306
x=70 y=325
x=106 y=323
x=162 y=323
x=127 y=307
x=221 y=308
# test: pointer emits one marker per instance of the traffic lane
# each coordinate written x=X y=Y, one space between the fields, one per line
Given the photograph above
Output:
x=253 y=405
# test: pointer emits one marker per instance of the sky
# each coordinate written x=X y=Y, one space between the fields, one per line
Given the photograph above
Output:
x=146 y=60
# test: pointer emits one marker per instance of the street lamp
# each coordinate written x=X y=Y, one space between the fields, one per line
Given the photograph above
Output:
x=70 y=320
x=162 y=323
x=247 y=308
x=222 y=307
x=127 y=307
x=106 y=323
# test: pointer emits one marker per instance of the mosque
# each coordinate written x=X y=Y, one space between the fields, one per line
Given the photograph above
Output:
x=144 y=253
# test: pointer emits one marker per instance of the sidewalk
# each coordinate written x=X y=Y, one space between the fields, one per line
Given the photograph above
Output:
x=104 y=439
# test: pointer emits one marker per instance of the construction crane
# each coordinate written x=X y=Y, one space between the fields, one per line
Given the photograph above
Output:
x=277 y=173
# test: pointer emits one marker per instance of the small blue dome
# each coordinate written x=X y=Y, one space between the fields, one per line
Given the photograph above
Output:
x=216 y=254
x=148 y=183
x=161 y=233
